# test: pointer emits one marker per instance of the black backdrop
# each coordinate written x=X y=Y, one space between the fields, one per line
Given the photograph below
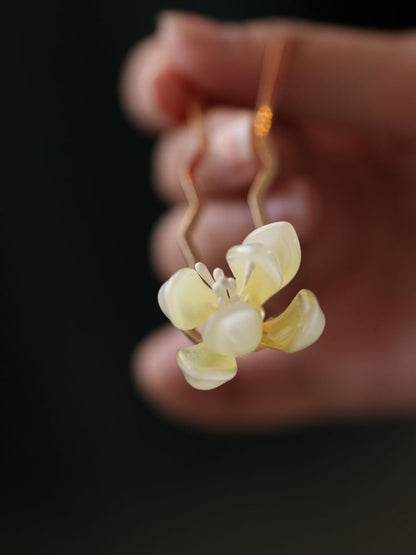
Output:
x=86 y=467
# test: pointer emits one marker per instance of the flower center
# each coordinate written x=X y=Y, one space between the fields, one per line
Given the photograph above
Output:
x=225 y=288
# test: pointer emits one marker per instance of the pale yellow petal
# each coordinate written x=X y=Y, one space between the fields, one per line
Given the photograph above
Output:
x=186 y=300
x=256 y=271
x=281 y=239
x=234 y=329
x=297 y=327
x=205 y=369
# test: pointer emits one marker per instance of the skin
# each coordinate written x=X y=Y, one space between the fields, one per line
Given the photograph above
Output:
x=346 y=138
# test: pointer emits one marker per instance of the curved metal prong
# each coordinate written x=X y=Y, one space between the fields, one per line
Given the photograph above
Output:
x=274 y=61
x=190 y=189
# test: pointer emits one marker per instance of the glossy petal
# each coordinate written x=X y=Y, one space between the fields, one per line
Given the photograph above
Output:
x=186 y=300
x=281 y=239
x=234 y=329
x=297 y=327
x=257 y=272
x=205 y=369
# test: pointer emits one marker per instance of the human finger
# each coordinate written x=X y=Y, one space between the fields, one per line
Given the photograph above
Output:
x=364 y=78
x=223 y=224
x=229 y=163
x=154 y=92
x=266 y=392
x=271 y=389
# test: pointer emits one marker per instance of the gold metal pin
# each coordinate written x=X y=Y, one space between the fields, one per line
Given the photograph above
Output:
x=275 y=57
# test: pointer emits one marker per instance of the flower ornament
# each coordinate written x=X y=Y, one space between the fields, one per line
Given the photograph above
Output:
x=229 y=312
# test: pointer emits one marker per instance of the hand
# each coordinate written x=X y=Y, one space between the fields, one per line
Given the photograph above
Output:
x=346 y=138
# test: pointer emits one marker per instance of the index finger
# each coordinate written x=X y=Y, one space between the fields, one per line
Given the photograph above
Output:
x=362 y=78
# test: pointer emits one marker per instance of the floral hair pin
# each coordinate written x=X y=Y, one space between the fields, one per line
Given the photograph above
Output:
x=224 y=315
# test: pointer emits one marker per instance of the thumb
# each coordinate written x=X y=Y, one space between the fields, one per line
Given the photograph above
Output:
x=349 y=76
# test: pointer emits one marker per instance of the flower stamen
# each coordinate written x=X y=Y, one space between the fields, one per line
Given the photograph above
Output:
x=204 y=273
x=218 y=274
x=220 y=291
x=225 y=288
x=232 y=289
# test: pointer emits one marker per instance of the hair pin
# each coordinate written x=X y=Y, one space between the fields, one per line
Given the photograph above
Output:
x=224 y=315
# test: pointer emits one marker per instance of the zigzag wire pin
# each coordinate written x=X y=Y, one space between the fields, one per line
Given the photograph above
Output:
x=224 y=316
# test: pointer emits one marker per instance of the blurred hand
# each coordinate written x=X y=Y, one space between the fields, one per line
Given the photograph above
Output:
x=346 y=137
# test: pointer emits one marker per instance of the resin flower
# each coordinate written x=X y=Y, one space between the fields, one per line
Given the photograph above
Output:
x=228 y=311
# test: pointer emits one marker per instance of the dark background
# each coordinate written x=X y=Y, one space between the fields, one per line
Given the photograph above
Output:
x=86 y=466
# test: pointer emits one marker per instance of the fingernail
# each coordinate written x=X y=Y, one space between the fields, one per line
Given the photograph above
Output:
x=231 y=141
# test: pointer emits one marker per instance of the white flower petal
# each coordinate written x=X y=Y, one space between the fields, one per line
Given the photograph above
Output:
x=256 y=271
x=282 y=240
x=205 y=369
x=186 y=300
x=234 y=329
x=297 y=327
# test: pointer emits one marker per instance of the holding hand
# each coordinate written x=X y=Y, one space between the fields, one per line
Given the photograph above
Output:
x=346 y=138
